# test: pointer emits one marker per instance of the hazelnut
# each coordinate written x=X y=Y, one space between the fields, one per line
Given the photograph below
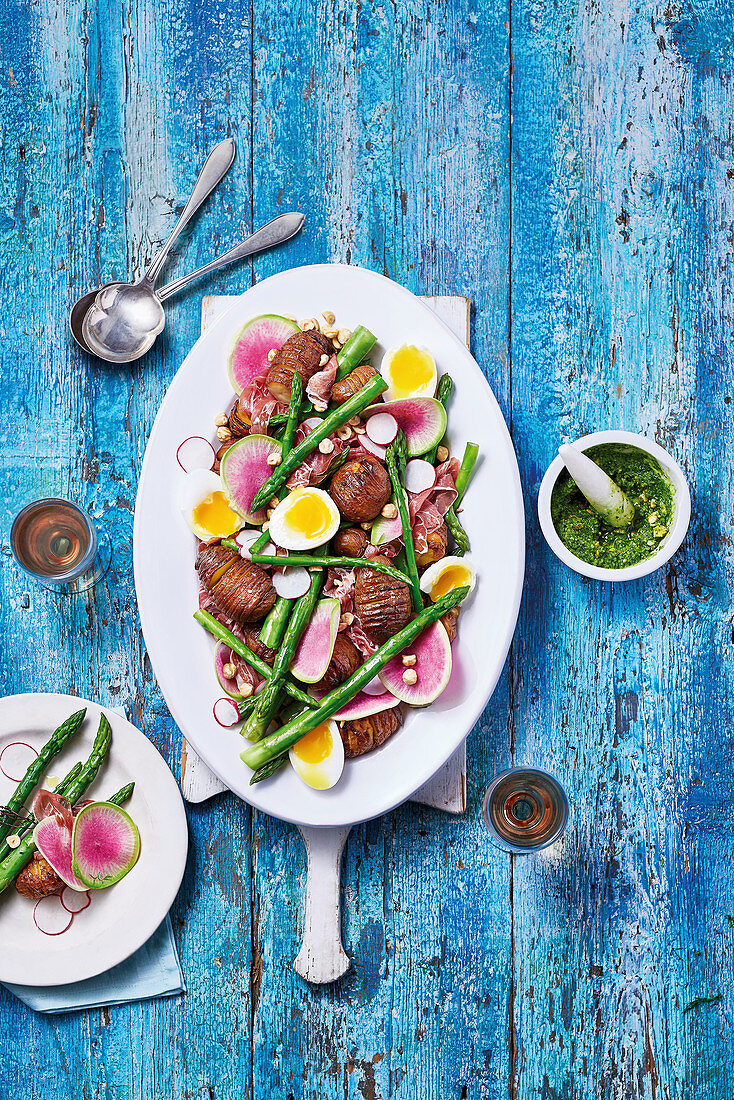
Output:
x=323 y=360
x=409 y=659
x=246 y=690
x=330 y=333
x=410 y=676
x=442 y=453
x=390 y=511
x=346 y=620
x=328 y=316
x=229 y=670
x=221 y=419
x=326 y=446
x=343 y=335
x=273 y=459
x=223 y=434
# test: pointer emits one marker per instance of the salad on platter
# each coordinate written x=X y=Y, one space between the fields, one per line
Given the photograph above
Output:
x=65 y=846
x=332 y=560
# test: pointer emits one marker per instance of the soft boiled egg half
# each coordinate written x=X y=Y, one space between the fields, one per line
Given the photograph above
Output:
x=447 y=574
x=409 y=371
x=318 y=758
x=205 y=506
x=306 y=518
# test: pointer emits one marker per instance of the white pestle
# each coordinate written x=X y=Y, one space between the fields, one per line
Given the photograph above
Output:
x=603 y=494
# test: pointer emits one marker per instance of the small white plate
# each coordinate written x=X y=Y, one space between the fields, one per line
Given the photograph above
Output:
x=120 y=919
x=164 y=549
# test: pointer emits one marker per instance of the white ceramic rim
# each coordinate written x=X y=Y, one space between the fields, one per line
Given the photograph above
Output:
x=678 y=528
x=123 y=917
x=385 y=302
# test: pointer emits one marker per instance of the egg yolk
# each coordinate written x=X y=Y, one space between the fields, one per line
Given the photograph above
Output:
x=315 y=746
x=411 y=369
x=454 y=576
x=213 y=514
x=309 y=515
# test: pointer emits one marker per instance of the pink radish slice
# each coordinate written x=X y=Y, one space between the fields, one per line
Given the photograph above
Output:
x=292 y=583
x=244 y=469
x=374 y=687
x=248 y=356
x=362 y=706
x=53 y=841
x=222 y=657
x=105 y=843
x=432 y=668
x=372 y=448
x=75 y=901
x=195 y=453
x=419 y=475
x=316 y=645
x=244 y=539
x=225 y=712
x=15 y=759
x=50 y=916
x=381 y=428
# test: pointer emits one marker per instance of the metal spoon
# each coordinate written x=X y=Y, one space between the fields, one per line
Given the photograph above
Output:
x=90 y=324
x=126 y=297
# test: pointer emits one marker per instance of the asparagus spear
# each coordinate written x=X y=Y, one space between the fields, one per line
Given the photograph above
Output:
x=451 y=519
x=269 y=698
x=27 y=824
x=215 y=627
x=269 y=769
x=16 y=861
x=395 y=462
x=335 y=419
x=255 y=756
x=310 y=560
x=445 y=386
x=351 y=355
x=33 y=776
x=276 y=620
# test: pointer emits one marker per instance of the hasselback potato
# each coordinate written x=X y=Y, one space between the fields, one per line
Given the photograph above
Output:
x=361 y=488
x=238 y=421
x=438 y=542
x=363 y=734
x=352 y=382
x=301 y=352
x=38 y=879
x=350 y=541
x=239 y=589
x=345 y=660
x=382 y=602
x=450 y=621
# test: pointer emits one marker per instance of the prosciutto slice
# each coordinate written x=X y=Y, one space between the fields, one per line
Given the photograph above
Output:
x=315 y=466
x=48 y=802
x=340 y=586
x=428 y=508
x=320 y=385
x=259 y=404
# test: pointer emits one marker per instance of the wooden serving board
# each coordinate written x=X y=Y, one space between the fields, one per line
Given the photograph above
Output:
x=447 y=789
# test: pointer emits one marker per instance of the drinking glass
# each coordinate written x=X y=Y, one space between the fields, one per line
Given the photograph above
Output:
x=525 y=810
x=56 y=543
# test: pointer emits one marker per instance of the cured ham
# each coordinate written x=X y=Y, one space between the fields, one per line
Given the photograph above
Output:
x=316 y=465
x=320 y=385
x=258 y=403
x=48 y=802
x=428 y=508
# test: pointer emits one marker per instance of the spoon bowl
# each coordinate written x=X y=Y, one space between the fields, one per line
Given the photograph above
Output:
x=123 y=321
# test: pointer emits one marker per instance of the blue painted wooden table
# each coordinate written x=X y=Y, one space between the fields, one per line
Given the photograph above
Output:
x=569 y=167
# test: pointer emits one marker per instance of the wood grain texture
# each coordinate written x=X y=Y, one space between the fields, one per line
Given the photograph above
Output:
x=584 y=204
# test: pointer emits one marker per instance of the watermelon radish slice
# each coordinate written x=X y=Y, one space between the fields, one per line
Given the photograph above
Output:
x=53 y=841
x=432 y=651
x=244 y=469
x=422 y=419
x=75 y=901
x=386 y=530
x=50 y=916
x=316 y=646
x=222 y=657
x=105 y=845
x=249 y=353
x=363 y=705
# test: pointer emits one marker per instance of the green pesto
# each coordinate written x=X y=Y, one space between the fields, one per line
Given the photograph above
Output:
x=648 y=488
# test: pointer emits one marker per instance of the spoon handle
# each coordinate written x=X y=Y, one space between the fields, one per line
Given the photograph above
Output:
x=277 y=231
x=215 y=168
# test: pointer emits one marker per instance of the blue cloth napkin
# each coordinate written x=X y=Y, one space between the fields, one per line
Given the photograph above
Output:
x=153 y=971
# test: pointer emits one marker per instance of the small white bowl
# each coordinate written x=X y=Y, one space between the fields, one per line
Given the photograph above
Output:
x=669 y=545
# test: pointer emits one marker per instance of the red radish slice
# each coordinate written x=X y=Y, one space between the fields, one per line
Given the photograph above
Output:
x=372 y=448
x=292 y=583
x=50 y=916
x=244 y=469
x=362 y=706
x=381 y=428
x=75 y=901
x=53 y=841
x=222 y=657
x=431 y=667
x=422 y=419
x=105 y=843
x=195 y=453
x=374 y=687
x=248 y=356
x=316 y=645
x=419 y=475
x=244 y=539
x=15 y=759
x=226 y=713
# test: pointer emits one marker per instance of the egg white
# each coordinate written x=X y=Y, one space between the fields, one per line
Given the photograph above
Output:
x=197 y=487
x=394 y=392
x=436 y=571
x=324 y=774
x=285 y=532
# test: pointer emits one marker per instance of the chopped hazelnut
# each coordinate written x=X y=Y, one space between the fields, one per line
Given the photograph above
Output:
x=323 y=360
x=221 y=420
x=326 y=446
x=344 y=433
x=271 y=354
x=346 y=620
x=409 y=659
x=229 y=670
x=390 y=511
x=13 y=841
x=343 y=335
x=442 y=453
x=410 y=676
x=328 y=317
x=330 y=333
x=274 y=459
x=246 y=690
x=223 y=434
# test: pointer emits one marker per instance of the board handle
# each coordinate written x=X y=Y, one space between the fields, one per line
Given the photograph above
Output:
x=322 y=958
